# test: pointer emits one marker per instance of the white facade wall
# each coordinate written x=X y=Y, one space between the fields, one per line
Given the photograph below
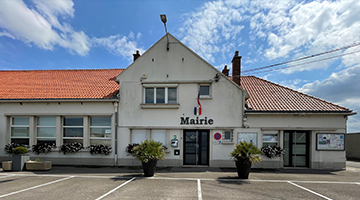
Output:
x=58 y=109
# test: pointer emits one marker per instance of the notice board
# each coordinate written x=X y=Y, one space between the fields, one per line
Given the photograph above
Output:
x=330 y=141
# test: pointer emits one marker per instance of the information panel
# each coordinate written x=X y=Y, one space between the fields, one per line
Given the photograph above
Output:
x=330 y=141
x=248 y=137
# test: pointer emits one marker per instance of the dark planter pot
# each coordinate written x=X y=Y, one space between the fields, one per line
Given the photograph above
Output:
x=149 y=168
x=243 y=169
x=18 y=162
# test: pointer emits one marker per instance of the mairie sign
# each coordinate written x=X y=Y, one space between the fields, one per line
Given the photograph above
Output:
x=195 y=121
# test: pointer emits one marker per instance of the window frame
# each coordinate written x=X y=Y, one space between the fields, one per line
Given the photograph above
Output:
x=271 y=143
x=166 y=95
x=210 y=91
x=37 y=126
x=19 y=126
x=100 y=138
x=64 y=127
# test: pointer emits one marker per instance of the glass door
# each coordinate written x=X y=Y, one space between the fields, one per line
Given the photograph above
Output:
x=196 y=147
x=296 y=145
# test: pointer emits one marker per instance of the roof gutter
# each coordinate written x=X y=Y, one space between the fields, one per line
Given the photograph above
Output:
x=299 y=113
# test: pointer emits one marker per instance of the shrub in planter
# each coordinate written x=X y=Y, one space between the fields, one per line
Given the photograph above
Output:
x=20 y=150
x=42 y=148
x=149 y=152
x=272 y=151
x=70 y=147
x=10 y=147
x=244 y=155
x=99 y=149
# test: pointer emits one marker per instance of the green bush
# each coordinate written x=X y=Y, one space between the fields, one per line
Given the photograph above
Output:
x=20 y=150
x=9 y=148
x=99 y=149
x=148 y=150
x=246 y=152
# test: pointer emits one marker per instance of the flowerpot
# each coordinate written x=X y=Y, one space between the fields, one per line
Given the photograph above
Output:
x=149 y=168
x=243 y=169
x=38 y=166
x=18 y=162
x=7 y=165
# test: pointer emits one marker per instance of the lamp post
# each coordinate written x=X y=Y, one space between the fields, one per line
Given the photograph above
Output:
x=164 y=20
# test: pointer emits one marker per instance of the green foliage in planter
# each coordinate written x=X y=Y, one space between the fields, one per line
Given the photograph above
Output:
x=246 y=152
x=20 y=150
x=42 y=148
x=148 y=150
x=72 y=147
x=99 y=149
x=130 y=147
x=9 y=148
x=272 y=151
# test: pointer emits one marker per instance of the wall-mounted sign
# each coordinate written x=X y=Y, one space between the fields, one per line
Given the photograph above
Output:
x=174 y=142
x=330 y=141
x=195 y=121
x=217 y=136
x=247 y=137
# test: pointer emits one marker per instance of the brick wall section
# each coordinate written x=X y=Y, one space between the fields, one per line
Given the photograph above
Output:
x=236 y=68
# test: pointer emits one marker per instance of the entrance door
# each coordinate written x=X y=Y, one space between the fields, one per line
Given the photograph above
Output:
x=296 y=145
x=196 y=147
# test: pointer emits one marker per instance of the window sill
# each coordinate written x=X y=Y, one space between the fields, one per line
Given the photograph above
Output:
x=227 y=142
x=205 y=98
x=161 y=106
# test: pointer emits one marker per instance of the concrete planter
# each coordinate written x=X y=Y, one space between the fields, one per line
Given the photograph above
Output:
x=7 y=165
x=38 y=166
x=18 y=162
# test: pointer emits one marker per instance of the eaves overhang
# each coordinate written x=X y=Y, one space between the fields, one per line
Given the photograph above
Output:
x=59 y=100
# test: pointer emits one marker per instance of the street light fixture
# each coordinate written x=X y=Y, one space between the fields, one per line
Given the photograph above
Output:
x=164 y=20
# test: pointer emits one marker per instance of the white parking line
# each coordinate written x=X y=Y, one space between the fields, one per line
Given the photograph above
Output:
x=309 y=190
x=7 y=176
x=111 y=191
x=199 y=189
x=5 y=195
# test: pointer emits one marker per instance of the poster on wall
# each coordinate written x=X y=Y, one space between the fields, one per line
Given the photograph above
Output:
x=330 y=141
x=247 y=137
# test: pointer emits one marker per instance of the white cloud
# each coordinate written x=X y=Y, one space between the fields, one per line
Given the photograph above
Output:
x=120 y=45
x=214 y=24
x=341 y=88
x=47 y=25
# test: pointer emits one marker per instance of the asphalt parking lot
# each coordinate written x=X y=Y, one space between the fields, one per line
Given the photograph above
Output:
x=64 y=182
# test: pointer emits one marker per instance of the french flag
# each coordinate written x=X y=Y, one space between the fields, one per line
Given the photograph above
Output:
x=197 y=109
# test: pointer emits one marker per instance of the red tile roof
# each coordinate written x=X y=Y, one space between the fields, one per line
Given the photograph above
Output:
x=266 y=96
x=59 y=84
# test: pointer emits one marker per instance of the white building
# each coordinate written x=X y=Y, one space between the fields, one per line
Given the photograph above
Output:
x=155 y=98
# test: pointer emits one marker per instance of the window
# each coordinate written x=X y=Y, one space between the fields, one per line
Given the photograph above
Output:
x=160 y=95
x=247 y=137
x=20 y=130
x=228 y=136
x=137 y=136
x=159 y=136
x=100 y=130
x=270 y=139
x=46 y=130
x=204 y=91
x=73 y=129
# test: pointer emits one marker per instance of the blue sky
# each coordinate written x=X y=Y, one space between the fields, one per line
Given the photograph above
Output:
x=50 y=34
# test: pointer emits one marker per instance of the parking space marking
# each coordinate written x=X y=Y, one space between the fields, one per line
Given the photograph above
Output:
x=111 y=191
x=7 y=176
x=199 y=189
x=320 y=195
x=5 y=195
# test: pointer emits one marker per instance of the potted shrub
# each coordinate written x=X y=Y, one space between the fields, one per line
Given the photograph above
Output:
x=70 y=147
x=99 y=149
x=148 y=152
x=7 y=165
x=244 y=155
x=19 y=158
x=42 y=148
x=272 y=151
